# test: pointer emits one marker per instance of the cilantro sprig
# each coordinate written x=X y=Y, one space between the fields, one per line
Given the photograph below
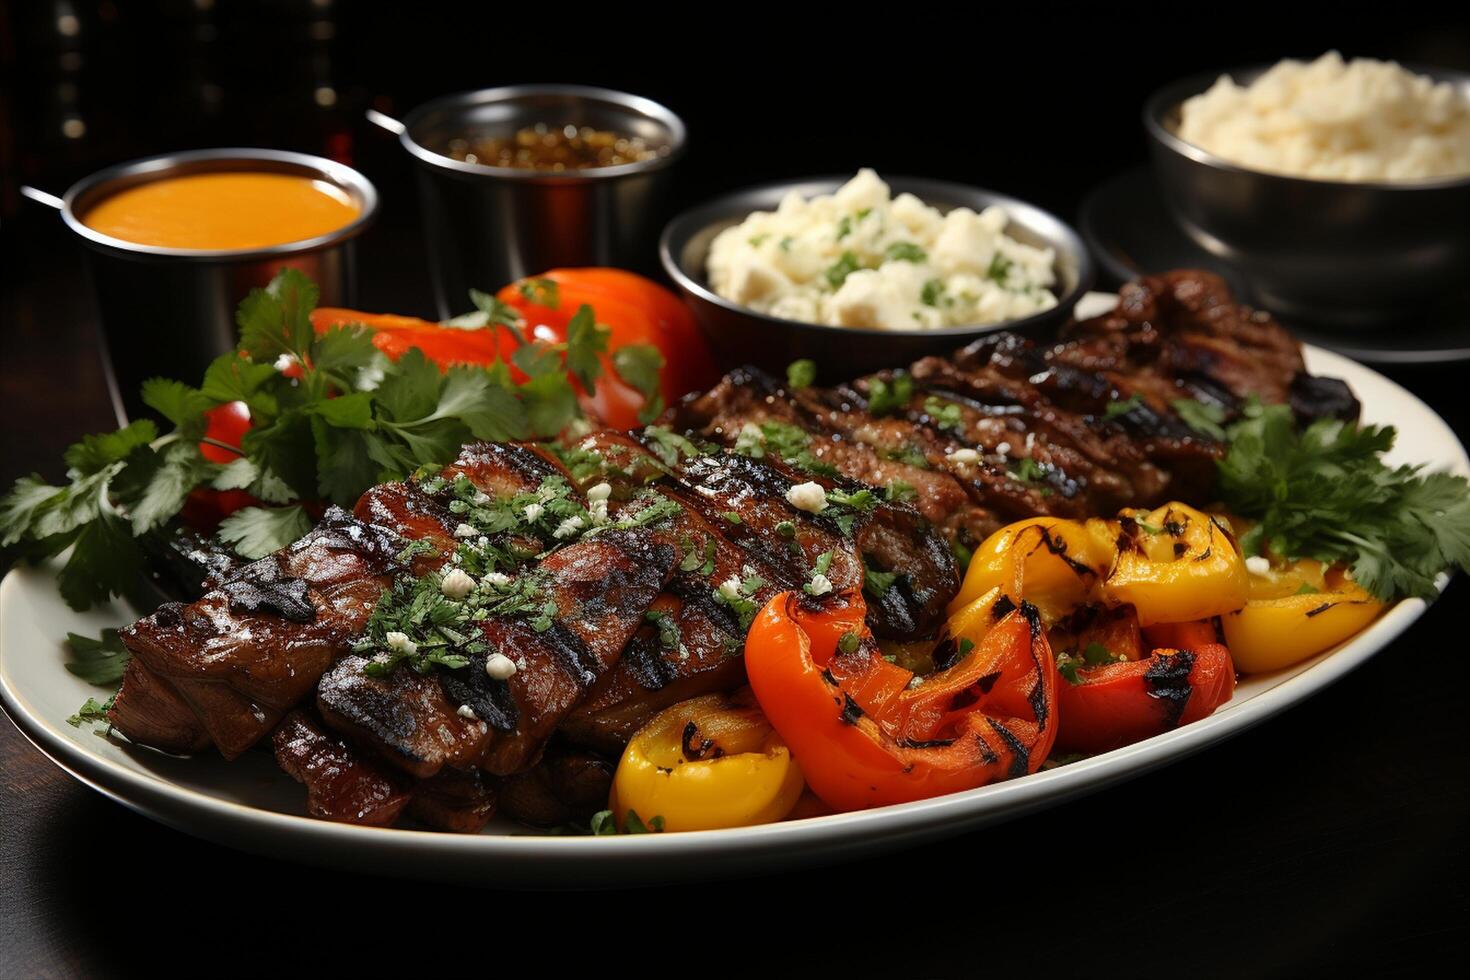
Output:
x=1325 y=493
x=330 y=417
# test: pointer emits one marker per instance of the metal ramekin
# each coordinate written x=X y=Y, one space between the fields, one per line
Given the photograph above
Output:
x=1348 y=254
x=486 y=226
x=170 y=311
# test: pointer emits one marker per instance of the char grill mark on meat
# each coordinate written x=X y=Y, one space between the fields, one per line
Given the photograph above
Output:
x=1182 y=334
x=342 y=784
x=706 y=635
x=602 y=586
x=236 y=660
x=405 y=716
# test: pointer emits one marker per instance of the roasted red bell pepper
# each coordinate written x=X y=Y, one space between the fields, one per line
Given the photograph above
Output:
x=1185 y=678
x=866 y=735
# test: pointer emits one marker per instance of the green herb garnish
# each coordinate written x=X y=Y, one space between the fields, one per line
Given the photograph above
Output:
x=1325 y=493
x=800 y=374
x=905 y=252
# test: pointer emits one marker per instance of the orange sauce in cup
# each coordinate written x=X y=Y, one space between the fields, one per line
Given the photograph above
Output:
x=227 y=211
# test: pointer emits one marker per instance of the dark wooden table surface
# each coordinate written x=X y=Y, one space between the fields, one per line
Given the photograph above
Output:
x=1331 y=839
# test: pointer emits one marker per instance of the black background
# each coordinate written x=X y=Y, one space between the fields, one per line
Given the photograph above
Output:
x=1331 y=839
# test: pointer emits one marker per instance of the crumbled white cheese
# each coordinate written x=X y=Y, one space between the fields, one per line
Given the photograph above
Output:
x=964 y=456
x=863 y=258
x=481 y=498
x=568 y=527
x=819 y=585
x=467 y=713
x=730 y=588
x=286 y=362
x=600 y=491
x=597 y=509
x=534 y=512
x=499 y=667
x=916 y=682
x=400 y=643
x=808 y=496
x=1258 y=565
x=496 y=580
x=465 y=532
x=456 y=584
x=750 y=432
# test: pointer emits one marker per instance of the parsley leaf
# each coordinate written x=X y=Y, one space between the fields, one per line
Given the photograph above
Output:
x=639 y=365
x=257 y=531
x=100 y=661
x=1325 y=493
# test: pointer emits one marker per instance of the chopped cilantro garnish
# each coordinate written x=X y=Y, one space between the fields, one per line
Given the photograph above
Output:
x=1121 y=407
x=946 y=415
x=887 y=396
x=800 y=374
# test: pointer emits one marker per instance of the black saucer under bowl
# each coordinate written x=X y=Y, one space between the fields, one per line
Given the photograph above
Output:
x=1130 y=232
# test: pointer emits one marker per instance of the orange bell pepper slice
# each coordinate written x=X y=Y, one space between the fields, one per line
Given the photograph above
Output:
x=866 y=736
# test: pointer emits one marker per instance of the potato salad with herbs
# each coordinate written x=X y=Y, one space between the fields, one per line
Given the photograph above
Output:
x=864 y=258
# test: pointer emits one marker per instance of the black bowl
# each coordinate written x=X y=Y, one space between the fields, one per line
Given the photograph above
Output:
x=1339 y=253
x=740 y=335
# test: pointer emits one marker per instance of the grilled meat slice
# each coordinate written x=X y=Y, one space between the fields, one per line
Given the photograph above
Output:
x=405 y=716
x=341 y=783
x=255 y=646
x=1182 y=334
x=566 y=786
x=457 y=800
x=149 y=711
x=830 y=433
x=602 y=586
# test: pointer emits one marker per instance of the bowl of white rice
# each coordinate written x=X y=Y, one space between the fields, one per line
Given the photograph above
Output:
x=1339 y=188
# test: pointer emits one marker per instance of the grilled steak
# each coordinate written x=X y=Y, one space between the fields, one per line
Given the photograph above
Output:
x=341 y=784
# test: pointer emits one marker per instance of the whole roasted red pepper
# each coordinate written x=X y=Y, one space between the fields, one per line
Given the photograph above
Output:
x=866 y=735
x=1185 y=678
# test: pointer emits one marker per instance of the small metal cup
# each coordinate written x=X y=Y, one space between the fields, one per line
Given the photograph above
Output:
x=486 y=226
x=170 y=311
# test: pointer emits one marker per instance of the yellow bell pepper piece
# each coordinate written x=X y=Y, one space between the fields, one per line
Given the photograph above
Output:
x=1176 y=564
x=707 y=763
x=1282 y=625
x=1052 y=562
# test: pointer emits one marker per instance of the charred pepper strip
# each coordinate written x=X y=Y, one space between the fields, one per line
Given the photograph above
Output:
x=866 y=734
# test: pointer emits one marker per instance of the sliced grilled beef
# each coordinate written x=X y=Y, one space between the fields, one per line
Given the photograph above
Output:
x=567 y=786
x=460 y=801
x=342 y=784
x=149 y=711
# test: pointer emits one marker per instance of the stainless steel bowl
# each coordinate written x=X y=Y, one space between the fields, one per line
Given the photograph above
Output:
x=170 y=311
x=486 y=226
x=741 y=335
x=1340 y=253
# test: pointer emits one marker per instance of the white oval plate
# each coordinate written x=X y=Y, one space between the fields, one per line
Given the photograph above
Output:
x=252 y=805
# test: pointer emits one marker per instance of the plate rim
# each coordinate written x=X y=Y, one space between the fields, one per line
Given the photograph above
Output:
x=252 y=828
